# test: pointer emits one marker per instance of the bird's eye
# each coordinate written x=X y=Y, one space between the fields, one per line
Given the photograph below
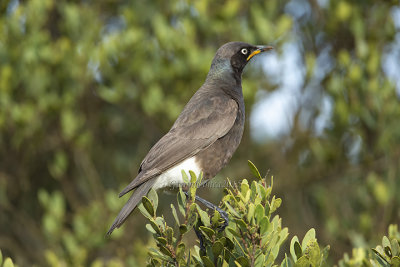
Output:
x=244 y=51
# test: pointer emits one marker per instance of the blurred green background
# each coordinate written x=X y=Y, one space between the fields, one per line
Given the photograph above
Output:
x=87 y=87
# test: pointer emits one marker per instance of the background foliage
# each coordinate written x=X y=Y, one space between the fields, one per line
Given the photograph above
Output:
x=86 y=87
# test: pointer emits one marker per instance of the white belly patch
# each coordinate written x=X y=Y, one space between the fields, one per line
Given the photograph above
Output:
x=173 y=176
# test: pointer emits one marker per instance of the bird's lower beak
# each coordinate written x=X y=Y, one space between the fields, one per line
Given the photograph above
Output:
x=259 y=50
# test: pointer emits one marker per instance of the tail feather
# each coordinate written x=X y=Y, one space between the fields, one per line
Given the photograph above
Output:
x=142 y=177
x=133 y=201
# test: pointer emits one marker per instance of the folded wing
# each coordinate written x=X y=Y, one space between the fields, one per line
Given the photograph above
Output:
x=200 y=124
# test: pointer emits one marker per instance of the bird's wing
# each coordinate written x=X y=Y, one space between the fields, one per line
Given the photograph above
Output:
x=129 y=206
x=200 y=124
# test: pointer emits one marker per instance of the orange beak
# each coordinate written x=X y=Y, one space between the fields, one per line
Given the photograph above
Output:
x=259 y=50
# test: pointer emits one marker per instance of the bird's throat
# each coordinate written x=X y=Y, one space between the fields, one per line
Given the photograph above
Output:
x=221 y=72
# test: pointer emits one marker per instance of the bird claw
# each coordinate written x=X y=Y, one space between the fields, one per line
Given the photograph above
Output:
x=210 y=205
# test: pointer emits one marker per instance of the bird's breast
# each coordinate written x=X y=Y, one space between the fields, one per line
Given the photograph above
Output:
x=172 y=178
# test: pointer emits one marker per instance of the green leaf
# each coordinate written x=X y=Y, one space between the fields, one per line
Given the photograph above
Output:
x=268 y=191
x=266 y=239
x=244 y=187
x=383 y=262
x=157 y=254
x=385 y=242
x=8 y=263
x=247 y=197
x=395 y=247
x=215 y=218
x=388 y=252
x=193 y=215
x=254 y=169
x=164 y=250
x=285 y=262
x=325 y=253
x=148 y=206
x=182 y=202
x=303 y=262
x=238 y=246
x=297 y=250
x=308 y=236
x=275 y=204
x=185 y=177
x=205 y=219
x=175 y=214
x=250 y=212
x=160 y=223
x=313 y=252
x=199 y=178
x=259 y=213
x=242 y=224
x=183 y=228
x=393 y=230
x=155 y=227
x=233 y=231
x=153 y=197
x=263 y=193
x=180 y=251
x=253 y=188
x=150 y=228
x=284 y=233
x=232 y=210
x=228 y=243
x=144 y=211
x=264 y=225
x=292 y=250
x=260 y=260
x=162 y=240
x=395 y=262
x=193 y=185
x=242 y=261
x=378 y=254
x=217 y=248
x=194 y=178
x=381 y=259
x=267 y=210
x=170 y=235
x=153 y=262
x=208 y=232
x=207 y=262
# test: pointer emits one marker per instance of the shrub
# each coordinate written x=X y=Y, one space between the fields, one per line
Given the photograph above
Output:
x=253 y=237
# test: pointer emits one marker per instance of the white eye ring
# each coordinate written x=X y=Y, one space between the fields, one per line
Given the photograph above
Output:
x=244 y=51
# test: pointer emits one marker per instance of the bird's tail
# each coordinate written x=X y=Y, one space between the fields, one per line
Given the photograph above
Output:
x=133 y=201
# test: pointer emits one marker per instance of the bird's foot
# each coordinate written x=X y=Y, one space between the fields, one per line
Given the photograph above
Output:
x=211 y=206
x=201 y=239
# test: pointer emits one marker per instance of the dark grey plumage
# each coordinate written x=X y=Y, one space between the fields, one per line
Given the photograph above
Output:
x=209 y=128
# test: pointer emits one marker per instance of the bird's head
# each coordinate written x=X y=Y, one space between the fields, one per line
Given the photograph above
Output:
x=234 y=56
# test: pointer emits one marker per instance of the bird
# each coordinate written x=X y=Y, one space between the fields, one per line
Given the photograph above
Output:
x=206 y=133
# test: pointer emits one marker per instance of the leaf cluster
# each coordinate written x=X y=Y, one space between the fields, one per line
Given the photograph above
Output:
x=387 y=254
x=253 y=236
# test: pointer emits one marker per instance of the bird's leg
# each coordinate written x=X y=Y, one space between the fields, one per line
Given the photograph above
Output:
x=198 y=232
x=211 y=206
x=201 y=239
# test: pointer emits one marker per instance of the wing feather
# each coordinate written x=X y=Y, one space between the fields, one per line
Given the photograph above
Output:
x=201 y=123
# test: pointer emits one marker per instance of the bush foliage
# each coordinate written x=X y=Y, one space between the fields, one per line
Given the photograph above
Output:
x=254 y=236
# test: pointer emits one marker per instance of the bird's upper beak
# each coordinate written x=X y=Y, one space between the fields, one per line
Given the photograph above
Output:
x=259 y=50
